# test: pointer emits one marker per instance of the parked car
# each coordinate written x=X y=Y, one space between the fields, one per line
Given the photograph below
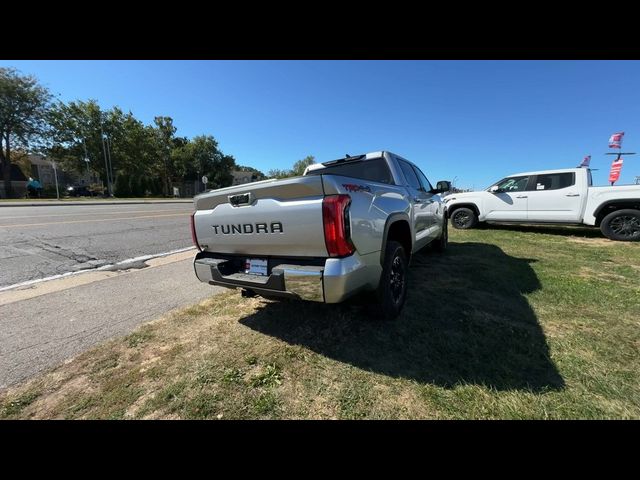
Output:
x=552 y=196
x=78 y=191
x=346 y=226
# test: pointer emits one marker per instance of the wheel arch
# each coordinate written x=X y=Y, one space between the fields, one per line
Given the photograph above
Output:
x=612 y=205
x=397 y=227
x=472 y=206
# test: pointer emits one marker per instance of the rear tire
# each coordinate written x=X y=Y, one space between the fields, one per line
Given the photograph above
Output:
x=392 y=289
x=464 y=218
x=441 y=244
x=622 y=225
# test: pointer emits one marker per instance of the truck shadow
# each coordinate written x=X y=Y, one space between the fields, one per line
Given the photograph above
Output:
x=563 y=230
x=466 y=321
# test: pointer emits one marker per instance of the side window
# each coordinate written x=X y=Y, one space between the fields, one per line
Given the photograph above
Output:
x=409 y=174
x=426 y=184
x=513 y=184
x=555 y=181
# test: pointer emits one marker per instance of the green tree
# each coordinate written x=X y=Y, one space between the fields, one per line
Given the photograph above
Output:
x=203 y=157
x=256 y=174
x=300 y=165
x=277 y=173
x=164 y=132
x=23 y=108
x=76 y=133
x=79 y=129
x=298 y=168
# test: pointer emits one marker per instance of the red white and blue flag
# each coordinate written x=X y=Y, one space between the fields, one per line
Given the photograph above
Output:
x=585 y=162
x=616 y=167
x=615 y=141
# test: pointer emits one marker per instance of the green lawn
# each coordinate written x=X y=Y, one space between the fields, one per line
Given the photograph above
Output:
x=510 y=323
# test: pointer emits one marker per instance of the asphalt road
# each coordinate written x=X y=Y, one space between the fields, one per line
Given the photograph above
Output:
x=43 y=325
x=38 y=242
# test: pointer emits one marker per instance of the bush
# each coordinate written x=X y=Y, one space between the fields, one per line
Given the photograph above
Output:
x=49 y=192
x=122 y=186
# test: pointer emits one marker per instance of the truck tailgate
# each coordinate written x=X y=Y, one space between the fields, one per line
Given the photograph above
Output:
x=271 y=218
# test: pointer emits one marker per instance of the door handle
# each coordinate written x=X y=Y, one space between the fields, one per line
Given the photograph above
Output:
x=421 y=200
x=522 y=196
x=572 y=195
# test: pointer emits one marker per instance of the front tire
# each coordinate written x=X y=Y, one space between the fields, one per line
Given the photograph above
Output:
x=392 y=290
x=622 y=225
x=464 y=218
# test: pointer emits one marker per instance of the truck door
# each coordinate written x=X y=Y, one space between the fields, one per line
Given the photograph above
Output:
x=436 y=209
x=509 y=201
x=420 y=204
x=555 y=197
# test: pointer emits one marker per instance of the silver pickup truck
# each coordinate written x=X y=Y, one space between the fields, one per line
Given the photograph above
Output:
x=344 y=227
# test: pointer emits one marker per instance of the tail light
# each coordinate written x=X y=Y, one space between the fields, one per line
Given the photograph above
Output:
x=194 y=237
x=335 y=217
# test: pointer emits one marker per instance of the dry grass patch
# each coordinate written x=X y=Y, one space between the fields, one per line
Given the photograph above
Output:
x=509 y=323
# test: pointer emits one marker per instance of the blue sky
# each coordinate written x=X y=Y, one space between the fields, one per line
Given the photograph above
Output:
x=475 y=121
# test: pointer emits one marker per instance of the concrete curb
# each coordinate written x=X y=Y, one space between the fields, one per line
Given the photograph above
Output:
x=58 y=204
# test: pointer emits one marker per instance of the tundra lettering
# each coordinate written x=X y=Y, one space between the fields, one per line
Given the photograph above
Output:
x=247 y=228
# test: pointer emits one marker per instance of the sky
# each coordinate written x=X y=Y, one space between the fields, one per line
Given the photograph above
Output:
x=473 y=122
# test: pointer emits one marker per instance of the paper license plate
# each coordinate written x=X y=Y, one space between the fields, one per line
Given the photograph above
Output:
x=256 y=266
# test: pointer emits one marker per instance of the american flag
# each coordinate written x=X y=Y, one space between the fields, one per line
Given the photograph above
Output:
x=615 y=141
x=616 y=167
x=585 y=162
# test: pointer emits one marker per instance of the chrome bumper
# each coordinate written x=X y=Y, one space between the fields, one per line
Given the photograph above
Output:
x=338 y=279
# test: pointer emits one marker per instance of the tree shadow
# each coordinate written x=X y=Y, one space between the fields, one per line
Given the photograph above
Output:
x=563 y=230
x=466 y=321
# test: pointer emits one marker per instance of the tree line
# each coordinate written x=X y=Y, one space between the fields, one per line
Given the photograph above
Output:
x=80 y=135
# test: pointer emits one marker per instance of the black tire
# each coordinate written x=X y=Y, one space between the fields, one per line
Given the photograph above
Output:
x=622 y=225
x=441 y=244
x=464 y=218
x=392 y=290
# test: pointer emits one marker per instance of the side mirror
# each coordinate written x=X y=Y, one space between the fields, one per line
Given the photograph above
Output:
x=495 y=189
x=443 y=186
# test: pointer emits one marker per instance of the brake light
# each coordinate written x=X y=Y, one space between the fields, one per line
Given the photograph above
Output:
x=194 y=237
x=335 y=217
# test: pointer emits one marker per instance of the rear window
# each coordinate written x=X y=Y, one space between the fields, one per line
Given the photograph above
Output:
x=375 y=170
x=555 y=181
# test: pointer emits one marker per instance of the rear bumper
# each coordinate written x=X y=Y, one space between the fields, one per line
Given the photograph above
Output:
x=333 y=282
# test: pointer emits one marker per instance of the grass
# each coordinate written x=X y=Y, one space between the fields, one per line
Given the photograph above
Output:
x=512 y=322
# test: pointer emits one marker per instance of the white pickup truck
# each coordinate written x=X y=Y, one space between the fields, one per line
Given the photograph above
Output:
x=564 y=196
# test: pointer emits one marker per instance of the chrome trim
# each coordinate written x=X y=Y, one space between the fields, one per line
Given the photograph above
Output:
x=304 y=281
x=337 y=280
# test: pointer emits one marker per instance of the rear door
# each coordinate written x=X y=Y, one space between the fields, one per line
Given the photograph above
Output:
x=436 y=212
x=421 y=203
x=555 y=198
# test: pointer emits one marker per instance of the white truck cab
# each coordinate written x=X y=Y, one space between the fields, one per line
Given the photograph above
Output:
x=564 y=196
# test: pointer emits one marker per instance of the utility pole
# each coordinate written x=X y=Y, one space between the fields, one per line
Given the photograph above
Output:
x=106 y=165
x=86 y=158
x=107 y=161
x=108 y=140
x=55 y=174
